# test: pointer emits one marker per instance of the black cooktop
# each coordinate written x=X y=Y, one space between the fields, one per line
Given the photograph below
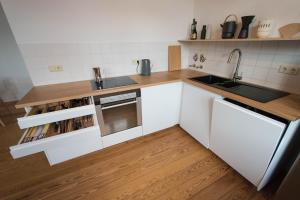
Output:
x=112 y=82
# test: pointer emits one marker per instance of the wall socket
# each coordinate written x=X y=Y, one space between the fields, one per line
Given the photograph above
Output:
x=135 y=61
x=289 y=69
x=55 y=68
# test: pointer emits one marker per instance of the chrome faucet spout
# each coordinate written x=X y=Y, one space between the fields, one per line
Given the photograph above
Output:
x=236 y=71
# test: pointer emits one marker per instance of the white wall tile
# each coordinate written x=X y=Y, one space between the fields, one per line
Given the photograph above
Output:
x=260 y=73
x=259 y=65
x=79 y=59
x=247 y=71
x=265 y=60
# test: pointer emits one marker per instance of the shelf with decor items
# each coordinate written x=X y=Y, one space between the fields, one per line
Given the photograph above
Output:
x=240 y=40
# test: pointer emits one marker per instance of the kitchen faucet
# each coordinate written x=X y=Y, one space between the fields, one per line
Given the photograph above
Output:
x=236 y=71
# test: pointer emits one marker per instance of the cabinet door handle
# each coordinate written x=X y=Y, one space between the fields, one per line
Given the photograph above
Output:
x=118 y=105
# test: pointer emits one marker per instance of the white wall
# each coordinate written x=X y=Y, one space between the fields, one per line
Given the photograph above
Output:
x=85 y=33
x=111 y=33
x=261 y=60
x=14 y=78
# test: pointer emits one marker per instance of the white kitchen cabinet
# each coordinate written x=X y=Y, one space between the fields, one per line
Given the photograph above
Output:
x=61 y=147
x=122 y=136
x=45 y=118
x=244 y=139
x=196 y=111
x=64 y=146
x=160 y=106
x=73 y=145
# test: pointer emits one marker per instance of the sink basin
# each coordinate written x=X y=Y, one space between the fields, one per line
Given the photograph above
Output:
x=250 y=91
x=229 y=84
x=210 y=79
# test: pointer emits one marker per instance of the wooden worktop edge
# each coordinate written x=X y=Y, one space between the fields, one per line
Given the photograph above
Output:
x=267 y=107
x=93 y=93
x=285 y=107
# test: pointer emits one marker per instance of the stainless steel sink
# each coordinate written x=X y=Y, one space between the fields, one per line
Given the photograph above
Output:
x=257 y=93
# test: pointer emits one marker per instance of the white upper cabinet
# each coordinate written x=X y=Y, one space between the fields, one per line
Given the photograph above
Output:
x=160 y=106
x=244 y=139
x=196 y=110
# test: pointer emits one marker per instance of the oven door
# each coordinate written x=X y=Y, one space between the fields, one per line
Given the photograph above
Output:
x=119 y=116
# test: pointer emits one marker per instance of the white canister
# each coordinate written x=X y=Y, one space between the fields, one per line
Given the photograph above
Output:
x=265 y=28
x=208 y=32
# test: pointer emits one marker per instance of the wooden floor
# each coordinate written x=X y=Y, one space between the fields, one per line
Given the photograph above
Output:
x=165 y=165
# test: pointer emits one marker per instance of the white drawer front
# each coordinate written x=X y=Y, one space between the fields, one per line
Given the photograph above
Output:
x=73 y=147
x=122 y=136
x=29 y=148
x=45 y=118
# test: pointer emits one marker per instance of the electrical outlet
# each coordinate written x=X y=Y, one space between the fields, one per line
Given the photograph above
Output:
x=55 y=68
x=135 y=61
x=289 y=69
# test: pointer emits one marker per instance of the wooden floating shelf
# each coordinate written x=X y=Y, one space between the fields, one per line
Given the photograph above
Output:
x=242 y=40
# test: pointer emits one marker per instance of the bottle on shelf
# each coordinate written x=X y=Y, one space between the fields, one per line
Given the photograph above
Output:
x=194 y=30
x=203 y=33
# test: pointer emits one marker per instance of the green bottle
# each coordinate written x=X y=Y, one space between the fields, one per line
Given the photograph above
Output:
x=194 y=30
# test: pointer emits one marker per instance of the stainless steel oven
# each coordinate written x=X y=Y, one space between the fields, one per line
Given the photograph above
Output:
x=118 y=111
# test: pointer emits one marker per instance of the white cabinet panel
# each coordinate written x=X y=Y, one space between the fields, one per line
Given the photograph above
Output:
x=77 y=137
x=288 y=136
x=160 y=106
x=45 y=118
x=244 y=139
x=74 y=146
x=196 y=111
x=122 y=136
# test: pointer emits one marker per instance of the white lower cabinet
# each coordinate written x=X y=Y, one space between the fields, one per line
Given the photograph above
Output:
x=160 y=106
x=244 y=139
x=59 y=147
x=62 y=147
x=74 y=145
x=40 y=119
x=196 y=110
x=122 y=136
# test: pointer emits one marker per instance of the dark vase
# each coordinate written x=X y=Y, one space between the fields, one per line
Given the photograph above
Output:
x=246 y=21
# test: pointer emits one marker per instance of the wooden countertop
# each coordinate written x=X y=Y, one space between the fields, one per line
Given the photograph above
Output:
x=64 y=91
x=286 y=107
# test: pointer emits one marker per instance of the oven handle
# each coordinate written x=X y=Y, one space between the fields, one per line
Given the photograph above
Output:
x=118 y=105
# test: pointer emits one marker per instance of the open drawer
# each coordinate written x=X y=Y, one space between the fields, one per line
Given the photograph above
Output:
x=88 y=135
x=49 y=113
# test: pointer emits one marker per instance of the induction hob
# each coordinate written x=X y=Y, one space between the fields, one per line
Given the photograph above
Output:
x=112 y=82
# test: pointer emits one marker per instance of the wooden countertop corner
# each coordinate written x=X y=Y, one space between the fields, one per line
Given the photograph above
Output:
x=287 y=107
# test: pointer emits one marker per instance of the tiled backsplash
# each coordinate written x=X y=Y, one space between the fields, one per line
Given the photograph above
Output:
x=259 y=65
x=115 y=59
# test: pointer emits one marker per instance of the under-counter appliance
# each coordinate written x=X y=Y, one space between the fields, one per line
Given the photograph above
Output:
x=118 y=111
x=250 y=140
x=112 y=82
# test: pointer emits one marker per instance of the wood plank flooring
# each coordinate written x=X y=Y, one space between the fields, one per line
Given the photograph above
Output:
x=166 y=165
